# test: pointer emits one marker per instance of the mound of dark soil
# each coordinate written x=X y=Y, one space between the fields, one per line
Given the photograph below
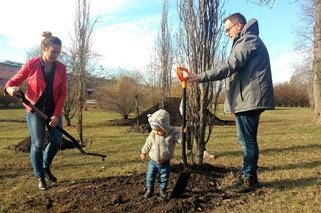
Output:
x=25 y=144
x=125 y=194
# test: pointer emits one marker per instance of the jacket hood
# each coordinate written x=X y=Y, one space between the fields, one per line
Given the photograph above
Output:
x=251 y=27
x=160 y=119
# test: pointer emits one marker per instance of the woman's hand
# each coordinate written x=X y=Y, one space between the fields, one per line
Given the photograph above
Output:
x=12 y=91
x=54 y=121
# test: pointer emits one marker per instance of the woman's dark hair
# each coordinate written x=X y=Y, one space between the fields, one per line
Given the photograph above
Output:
x=49 y=40
x=235 y=18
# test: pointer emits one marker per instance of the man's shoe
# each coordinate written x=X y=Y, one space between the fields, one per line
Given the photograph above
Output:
x=163 y=193
x=244 y=184
x=49 y=175
x=148 y=193
x=42 y=184
x=254 y=181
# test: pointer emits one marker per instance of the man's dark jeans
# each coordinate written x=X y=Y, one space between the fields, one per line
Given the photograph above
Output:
x=247 y=125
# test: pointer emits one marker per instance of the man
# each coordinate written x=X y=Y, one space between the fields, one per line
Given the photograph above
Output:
x=249 y=89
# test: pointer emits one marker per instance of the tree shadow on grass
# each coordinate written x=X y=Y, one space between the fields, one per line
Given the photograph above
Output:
x=303 y=165
x=290 y=184
x=273 y=150
x=11 y=173
x=13 y=120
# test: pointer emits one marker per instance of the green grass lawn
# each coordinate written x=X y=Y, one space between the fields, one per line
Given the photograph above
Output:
x=290 y=160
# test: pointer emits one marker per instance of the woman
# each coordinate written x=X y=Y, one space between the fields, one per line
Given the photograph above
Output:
x=46 y=89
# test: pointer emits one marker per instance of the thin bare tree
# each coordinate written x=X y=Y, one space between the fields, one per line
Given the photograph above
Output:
x=165 y=55
x=304 y=45
x=316 y=65
x=70 y=101
x=201 y=21
x=81 y=55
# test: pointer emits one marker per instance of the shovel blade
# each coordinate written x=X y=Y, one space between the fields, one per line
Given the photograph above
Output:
x=180 y=185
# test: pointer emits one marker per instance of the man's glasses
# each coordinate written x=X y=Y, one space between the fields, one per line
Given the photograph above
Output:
x=228 y=29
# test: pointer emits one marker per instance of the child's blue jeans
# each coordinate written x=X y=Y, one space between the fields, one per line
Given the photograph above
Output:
x=164 y=170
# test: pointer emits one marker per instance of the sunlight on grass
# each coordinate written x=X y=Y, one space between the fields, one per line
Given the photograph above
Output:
x=290 y=159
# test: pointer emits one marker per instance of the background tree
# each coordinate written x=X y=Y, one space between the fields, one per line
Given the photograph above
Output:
x=81 y=56
x=34 y=52
x=316 y=65
x=291 y=94
x=119 y=96
x=199 y=41
x=165 y=55
x=70 y=101
x=304 y=46
x=153 y=78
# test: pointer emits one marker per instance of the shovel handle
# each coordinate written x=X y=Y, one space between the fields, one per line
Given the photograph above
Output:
x=20 y=95
x=183 y=127
x=182 y=74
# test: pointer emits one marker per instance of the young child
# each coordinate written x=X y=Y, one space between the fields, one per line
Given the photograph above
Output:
x=160 y=145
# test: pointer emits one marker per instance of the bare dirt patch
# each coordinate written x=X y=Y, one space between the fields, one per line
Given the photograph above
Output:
x=125 y=194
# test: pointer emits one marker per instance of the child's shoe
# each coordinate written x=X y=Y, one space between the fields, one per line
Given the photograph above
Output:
x=188 y=152
x=163 y=193
x=148 y=193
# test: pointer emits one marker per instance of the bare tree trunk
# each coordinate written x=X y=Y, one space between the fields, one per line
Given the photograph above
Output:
x=165 y=55
x=316 y=68
x=81 y=100
x=154 y=77
x=311 y=103
x=81 y=50
x=70 y=102
x=137 y=110
x=201 y=30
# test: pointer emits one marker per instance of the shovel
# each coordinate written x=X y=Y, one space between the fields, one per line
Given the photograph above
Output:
x=179 y=188
x=42 y=115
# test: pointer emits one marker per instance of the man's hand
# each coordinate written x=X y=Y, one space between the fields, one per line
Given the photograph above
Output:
x=171 y=142
x=142 y=156
x=54 y=121
x=12 y=91
x=192 y=77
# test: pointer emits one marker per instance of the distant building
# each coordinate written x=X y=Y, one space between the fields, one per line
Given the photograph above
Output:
x=7 y=70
